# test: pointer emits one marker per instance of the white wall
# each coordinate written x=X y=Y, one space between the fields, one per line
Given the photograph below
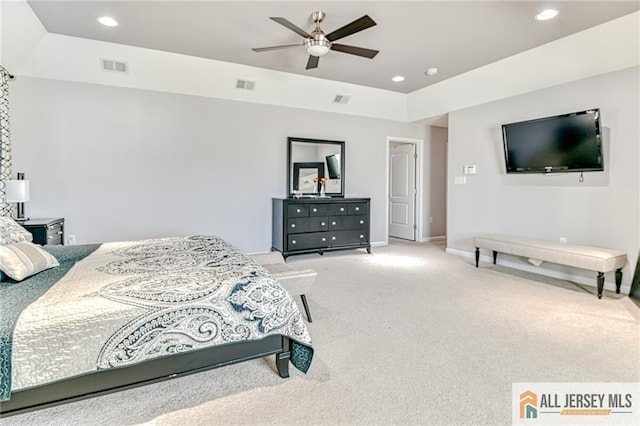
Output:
x=603 y=211
x=122 y=163
x=435 y=183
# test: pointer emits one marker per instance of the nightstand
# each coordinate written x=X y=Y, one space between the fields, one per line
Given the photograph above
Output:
x=45 y=231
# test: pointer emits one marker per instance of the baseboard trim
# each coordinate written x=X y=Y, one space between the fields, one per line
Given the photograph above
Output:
x=608 y=285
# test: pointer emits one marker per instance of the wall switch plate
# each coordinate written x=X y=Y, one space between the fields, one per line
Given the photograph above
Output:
x=71 y=240
x=563 y=240
x=469 y=169
x=460 y=180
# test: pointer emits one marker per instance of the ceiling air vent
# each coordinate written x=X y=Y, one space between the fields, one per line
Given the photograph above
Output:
x=114 y=66
x=245 y=84
x=341 y=99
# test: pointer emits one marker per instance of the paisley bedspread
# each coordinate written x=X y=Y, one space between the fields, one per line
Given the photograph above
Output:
x=133 y=301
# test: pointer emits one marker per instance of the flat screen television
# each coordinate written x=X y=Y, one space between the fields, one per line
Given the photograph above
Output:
x=562 y=143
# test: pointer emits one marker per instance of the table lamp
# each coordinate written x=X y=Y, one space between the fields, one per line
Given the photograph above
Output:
x=17 y=191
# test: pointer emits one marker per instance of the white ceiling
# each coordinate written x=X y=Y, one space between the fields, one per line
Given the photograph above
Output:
x=454 y=36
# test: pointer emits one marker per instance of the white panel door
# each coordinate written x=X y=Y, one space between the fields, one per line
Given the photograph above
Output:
x=402 y=191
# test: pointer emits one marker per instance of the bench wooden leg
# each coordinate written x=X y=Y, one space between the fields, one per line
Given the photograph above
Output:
x=600 y=284
x=306 y=307
x=495 y=256
x=477 y=256
x=618 y=279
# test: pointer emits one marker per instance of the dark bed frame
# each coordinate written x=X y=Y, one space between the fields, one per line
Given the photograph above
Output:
x=152 y=371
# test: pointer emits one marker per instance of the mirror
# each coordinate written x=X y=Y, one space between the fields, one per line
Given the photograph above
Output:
x=311 y=159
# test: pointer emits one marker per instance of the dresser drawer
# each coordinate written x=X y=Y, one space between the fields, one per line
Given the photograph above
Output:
x=308 y=241
x=337 y=223
x=54 y=234
x=357 y=208
x=307 y=224
x=334 y=209
x=298 y=210
x=349 y=237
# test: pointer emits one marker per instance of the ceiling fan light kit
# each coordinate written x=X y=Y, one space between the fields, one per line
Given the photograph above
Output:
x=317 y=47
x=318 y=44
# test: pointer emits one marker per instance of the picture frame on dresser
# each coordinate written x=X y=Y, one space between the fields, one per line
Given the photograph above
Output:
x=305 y=177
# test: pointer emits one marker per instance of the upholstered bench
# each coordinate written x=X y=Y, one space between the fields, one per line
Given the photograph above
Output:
x=585 y=257
x=298 y=282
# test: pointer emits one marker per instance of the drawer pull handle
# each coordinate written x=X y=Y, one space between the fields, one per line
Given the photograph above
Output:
x=293 y=242
x=315 y=210
x=59 y=232
x=361 y=236
x=341 y=209
x=333 y=238
x=333 y=223
x=49 y=237
x=357 y=208
x=324 y=239
x=322 y=224
x=293 y=225
x=361 y=222
x=297 y=210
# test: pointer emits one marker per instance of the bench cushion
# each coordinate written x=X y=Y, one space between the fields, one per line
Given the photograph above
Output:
x=270 y=258
x=578 y=256
x=295 y=281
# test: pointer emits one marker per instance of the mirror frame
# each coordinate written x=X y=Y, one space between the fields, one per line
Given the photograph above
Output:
x=290 y=166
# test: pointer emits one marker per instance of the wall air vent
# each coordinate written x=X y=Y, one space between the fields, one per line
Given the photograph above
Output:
x=341 y=99
x=245 y=84
x=114 y=66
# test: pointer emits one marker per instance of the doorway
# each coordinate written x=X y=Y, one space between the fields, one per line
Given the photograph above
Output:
x=404 y=192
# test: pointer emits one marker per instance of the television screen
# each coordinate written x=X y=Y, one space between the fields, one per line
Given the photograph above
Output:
x=563 y=143
x=333 y=164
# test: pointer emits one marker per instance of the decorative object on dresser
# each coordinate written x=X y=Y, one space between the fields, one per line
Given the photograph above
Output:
x=18 y=192
x=317 y=225
x=312 y=159
x=46 y=231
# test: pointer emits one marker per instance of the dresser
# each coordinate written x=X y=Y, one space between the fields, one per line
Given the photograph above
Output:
x=308 y=225
x=45 y=231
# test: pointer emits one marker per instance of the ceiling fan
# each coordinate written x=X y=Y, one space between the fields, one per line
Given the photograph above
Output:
x=318 y=44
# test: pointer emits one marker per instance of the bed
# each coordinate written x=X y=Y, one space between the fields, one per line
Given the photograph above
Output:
x=112 y=316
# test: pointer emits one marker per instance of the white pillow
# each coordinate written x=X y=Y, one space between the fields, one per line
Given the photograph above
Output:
x=21 y=260
x=12 y=232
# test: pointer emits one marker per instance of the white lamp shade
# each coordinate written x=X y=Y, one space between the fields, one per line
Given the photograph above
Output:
x=17 y=191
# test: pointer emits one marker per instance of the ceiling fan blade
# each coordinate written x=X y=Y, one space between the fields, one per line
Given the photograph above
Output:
x=292 y=27
x=266 y=49
x=352 y=28
x=312 y=62
x=353 y=50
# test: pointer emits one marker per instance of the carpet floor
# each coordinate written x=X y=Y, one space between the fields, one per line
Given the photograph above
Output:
x=406 y=335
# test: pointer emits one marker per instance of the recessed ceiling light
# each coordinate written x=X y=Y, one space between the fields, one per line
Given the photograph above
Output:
x=431 y=71
x=398 y=78
x=546 y=14
x=107 y=21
